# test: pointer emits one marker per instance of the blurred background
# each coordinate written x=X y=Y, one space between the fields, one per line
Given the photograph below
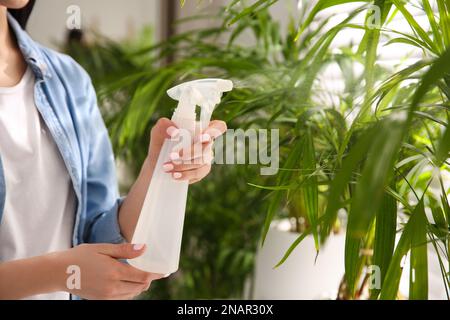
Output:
x=119 y=21
x=318 y=73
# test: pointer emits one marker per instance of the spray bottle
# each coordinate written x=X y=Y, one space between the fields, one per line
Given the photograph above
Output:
x=160 y=224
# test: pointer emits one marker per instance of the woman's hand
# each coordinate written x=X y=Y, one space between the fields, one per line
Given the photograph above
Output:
x=192 y=163
x=102 y=275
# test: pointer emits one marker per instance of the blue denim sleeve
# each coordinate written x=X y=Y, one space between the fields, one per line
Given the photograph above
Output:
x=103 y=200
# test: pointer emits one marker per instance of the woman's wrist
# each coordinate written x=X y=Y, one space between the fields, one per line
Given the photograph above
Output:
x=56 y=267
x=151 y=160
x=147 y=169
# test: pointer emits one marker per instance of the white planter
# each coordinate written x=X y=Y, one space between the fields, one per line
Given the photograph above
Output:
x=299 y=278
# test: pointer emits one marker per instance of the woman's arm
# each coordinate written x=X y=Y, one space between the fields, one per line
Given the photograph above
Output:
x=27 y=277
x=101 y=275
x=131 y=207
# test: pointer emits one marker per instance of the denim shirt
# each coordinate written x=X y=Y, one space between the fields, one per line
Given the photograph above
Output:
x=66 y=101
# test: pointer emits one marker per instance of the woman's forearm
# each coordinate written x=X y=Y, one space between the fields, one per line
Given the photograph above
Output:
x=132 y=205
x=28 y=277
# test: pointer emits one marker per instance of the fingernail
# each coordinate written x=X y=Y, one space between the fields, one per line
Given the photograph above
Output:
x=138 y=247
x=172 y=131
x=177 y=175
x=205 y=138
x=174 y=156
x=168 y=167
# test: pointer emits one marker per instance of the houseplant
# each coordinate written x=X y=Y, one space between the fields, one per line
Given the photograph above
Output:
x=395 y=166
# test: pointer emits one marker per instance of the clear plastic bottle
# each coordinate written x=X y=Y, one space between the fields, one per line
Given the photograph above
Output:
x=160 y=224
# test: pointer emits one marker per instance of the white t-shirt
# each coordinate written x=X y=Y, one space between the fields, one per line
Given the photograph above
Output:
x=40 y=204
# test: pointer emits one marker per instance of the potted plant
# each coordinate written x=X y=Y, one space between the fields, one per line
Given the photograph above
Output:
x=390 y=155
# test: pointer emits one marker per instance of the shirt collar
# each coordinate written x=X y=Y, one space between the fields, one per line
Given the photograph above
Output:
x=30 y=50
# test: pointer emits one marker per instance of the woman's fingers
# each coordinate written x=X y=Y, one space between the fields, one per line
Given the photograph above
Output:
x=132 y=274
x=192 y=175
x=197 y=153
x=194 y=162
x=132 y=282
x=171 y=167
x=120 y=251
x=216 y=129
x=130 y=289
x=192 y=153
x=196 y=149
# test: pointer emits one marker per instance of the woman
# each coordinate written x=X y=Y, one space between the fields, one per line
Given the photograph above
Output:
x=59 y=204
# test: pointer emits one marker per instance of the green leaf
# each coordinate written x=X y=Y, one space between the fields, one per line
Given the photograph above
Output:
x=404 y=41
x=283 y=179
x=310 y=191
x=384 y=242
x=321 y=5
x=353 y=261
x=367 y=40
x=314 y=59
x=257 y=6
x=294 y=245
x=443 y=147
x=291 y=248
x=373 y=38
x=415 y=26
x=375 y=175
x=437 y=33
x=439 y=69
x=342 y=179
x=444 y=202
x=418 y=283
x=440 y=227
x=391 y=283
x=444 y=21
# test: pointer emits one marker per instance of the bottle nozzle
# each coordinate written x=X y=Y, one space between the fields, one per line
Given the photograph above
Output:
x=205 y=93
